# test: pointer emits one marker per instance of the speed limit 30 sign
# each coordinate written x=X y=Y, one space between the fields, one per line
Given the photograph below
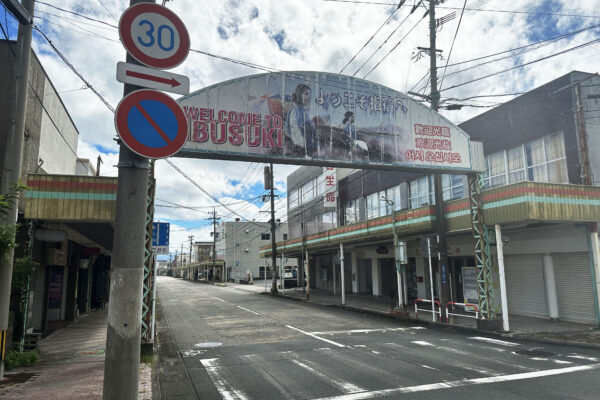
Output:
x=154 y=35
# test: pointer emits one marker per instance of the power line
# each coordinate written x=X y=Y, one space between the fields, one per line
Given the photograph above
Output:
x=371 y=38
x=473 y=9
x=452 y=46
x=54 y=123
x=380 y=46
x=525 y=64
x=75 y=13
x=394 y=48
x=64 y=59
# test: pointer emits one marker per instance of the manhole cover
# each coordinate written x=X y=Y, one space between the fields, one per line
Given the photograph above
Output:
x=534 y=353
x=208 y=344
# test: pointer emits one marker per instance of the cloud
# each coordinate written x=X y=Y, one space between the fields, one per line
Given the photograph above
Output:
x=302 y=35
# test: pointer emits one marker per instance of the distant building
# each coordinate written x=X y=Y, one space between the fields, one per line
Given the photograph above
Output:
x=238 y=244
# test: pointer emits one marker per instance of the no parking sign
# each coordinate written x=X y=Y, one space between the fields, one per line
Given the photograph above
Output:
x=151 y=124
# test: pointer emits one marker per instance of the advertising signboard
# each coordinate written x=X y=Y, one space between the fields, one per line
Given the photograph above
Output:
x=319 y=118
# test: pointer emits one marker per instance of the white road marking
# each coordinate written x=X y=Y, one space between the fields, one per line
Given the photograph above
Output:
x=214 y=370
x=428 y=367
x=462 y=383
x=245 y=309
x=315 y=336
x=495 y=341
x=580 y=357
x=351 y=331
x=344 y=386
x=562 y=362
x=422 y=343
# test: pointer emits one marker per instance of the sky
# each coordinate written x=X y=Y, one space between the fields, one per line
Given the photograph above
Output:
x=373 y=40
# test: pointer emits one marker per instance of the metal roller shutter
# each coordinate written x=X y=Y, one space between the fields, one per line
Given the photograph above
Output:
x=574 y=287
x=525 y=285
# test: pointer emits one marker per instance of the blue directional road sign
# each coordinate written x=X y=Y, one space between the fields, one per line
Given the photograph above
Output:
x=160 y=237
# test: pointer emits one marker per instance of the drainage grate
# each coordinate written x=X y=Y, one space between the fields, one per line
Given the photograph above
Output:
x=534 y=353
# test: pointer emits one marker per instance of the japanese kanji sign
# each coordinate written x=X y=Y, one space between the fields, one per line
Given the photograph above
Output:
x=330 y=183
x=318 y=118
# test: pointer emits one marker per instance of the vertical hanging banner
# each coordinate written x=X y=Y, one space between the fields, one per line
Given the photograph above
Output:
x=317 y=118
x=330 y=185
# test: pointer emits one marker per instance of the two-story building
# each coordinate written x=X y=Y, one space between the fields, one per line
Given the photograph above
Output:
x=542 y=155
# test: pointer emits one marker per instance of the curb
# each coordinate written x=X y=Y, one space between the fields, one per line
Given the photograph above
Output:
x=442 y=326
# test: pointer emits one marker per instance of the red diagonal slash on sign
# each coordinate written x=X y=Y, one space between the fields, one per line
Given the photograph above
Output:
x=153 y=123
x=173 y=82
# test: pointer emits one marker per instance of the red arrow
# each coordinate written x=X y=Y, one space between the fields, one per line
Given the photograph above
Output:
x=173 y=82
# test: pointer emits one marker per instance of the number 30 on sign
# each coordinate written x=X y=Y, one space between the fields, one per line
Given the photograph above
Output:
x=154 y=35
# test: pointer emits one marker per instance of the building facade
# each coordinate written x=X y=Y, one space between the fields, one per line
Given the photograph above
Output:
x=238 y=245
x=541 y=190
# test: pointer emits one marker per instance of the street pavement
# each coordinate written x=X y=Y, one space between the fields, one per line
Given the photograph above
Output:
x=221 y=342
x=71 y=365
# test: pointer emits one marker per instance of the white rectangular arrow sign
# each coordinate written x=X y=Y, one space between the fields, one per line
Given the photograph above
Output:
x=152 y=78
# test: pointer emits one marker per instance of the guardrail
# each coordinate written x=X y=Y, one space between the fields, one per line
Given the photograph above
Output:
x=465 y=305
x=427 y=310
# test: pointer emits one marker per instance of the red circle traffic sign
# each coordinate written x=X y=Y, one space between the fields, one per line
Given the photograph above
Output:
x=151 y=123
x=154 y=35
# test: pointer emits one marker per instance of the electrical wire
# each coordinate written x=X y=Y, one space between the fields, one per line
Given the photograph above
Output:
x=452 y=46
x=369 y=40
x=76 y=13
x=394 y=48
x=473 y=9
x=524 y=64
x=381 y=45
x=54 y=123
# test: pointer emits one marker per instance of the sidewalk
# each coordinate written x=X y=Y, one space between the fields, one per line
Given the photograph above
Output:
x=525 y=328
x=71 y=365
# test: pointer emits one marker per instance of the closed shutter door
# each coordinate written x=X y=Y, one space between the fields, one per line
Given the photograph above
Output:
x=574 y=287
x=525 y=285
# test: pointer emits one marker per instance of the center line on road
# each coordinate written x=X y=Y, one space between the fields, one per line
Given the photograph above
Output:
x=462 y=383
x=495 y=341
x=245 y=309
x=315 y=336
x=366 y=330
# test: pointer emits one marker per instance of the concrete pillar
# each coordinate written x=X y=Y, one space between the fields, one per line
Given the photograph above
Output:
x=550 y=283
x=502 y=277
x=354 y=271
x=375 y=277
x=596 y=266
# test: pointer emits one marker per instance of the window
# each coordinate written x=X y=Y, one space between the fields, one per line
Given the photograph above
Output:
x=453 y=187
x=351 y=212
x=421 y=192
x=541 y=160
x=373 y=205
x=293 y=199
x=516 y=165
x=308 y=192
x=265 y=236
x=285 y=236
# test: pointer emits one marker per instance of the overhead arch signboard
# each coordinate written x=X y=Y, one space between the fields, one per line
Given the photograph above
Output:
x=316 y=118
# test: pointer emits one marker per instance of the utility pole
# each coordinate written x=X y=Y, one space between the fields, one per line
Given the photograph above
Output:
x=13 y=154
x=123 y=338
x=191 y=237
x=440 y=220
x=214 y=235
x=269 y=185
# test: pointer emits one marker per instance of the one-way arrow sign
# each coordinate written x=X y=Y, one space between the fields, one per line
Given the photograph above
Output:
x=152 y=78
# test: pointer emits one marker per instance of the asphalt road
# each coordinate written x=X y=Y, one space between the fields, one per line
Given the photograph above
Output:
x=235 y=344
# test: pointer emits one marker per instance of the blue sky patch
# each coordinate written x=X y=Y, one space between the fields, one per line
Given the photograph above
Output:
x=279 y=38
x=254 y=13
x=544 y=26
x=106 y=150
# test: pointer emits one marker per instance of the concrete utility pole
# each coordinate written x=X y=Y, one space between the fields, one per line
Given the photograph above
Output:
x=440 y=217
x=191 y=237
x=214 y=235
x=273 y=241
x=123 y=338
x=13 y=154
